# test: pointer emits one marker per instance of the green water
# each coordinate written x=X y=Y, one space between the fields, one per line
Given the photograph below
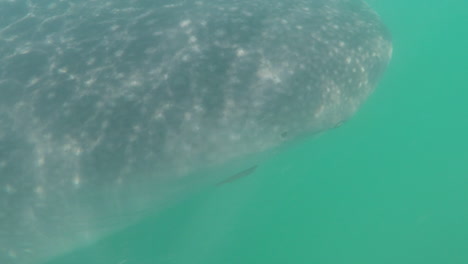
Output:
x=389 y=186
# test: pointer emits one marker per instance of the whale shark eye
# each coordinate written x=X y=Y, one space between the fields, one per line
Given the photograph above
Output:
x=338 y=124
x=284 y=135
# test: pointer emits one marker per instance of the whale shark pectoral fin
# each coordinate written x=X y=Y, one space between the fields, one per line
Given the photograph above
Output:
x=238 y=175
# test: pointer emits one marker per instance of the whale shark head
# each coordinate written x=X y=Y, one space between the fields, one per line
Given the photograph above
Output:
x=109 y=109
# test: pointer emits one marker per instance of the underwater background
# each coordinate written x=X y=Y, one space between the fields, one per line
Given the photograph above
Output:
x=389 y=186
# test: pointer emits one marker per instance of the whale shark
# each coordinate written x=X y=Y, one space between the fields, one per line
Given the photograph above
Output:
x=113 y=109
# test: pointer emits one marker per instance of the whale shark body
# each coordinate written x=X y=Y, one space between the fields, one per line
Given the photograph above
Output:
x=111 y=108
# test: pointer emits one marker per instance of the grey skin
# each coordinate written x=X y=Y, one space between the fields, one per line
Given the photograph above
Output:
x=111 y=109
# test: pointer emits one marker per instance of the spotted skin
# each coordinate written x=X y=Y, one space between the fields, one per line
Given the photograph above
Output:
x=110 y=108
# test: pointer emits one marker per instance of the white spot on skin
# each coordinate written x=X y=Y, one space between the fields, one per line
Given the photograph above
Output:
x=40 y=161
x=133 y=138
x=134 y=83
x=234 y=137
x=319 y=111
x=348 y=60
x=33 y=81
x=137 y=128
x=240 y=52
x=24 y=50
x=195 y=48
x=76 y=180
x=158 y=115
x=39 y=190
x=119 y=53
x=90 y=81
x=104 y=124
x=230 y=103
x=188 y=116
x=185 y=23
x=267 y=74
x=119 y=180
x=198 y=108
